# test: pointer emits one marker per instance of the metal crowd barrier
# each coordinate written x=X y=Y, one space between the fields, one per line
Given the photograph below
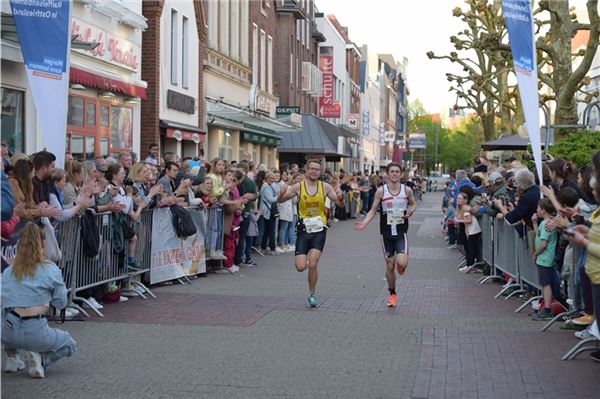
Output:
x=488 y=246
x=143 y=253
x=213 y=240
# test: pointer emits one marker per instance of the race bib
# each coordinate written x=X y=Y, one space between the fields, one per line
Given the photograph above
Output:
x=395 y=216
x=314 y=224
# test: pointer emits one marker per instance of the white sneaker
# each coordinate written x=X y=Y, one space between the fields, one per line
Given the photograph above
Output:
x=583 y=334
x=13 y=364
x=123 y=298
x=34 y=361
x=93 y=303
x=233 y=269
x=279 y=250
x=290 y=248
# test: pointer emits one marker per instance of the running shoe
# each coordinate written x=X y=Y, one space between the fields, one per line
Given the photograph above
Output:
x=391 y=302
x=312 y=301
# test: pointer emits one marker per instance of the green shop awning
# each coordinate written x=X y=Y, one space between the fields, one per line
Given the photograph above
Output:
x=260 y=139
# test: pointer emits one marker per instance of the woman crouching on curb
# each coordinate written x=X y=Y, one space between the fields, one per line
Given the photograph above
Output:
x=29 y=286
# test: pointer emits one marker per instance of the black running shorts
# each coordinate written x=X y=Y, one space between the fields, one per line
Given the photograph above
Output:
x=307 y=241
x=394 y=246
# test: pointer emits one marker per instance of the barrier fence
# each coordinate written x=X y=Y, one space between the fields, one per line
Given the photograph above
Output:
x=82 y=273
x=507 y=252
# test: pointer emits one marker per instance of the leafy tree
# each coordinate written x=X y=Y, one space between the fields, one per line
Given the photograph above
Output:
x=577 y=147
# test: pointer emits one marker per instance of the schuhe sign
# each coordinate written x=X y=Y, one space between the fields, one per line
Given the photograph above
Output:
x=328 y=108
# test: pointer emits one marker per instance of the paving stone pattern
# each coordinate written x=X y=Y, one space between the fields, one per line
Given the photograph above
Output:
x=251 y=335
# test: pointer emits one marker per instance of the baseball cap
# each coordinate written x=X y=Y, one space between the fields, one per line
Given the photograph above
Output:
x=495 y=176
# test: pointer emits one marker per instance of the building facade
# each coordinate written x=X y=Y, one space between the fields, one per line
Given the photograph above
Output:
x=106 y=85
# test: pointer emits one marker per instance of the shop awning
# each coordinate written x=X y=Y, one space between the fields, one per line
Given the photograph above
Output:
x=316 y=137
x=182 y=131
x=104 y=80
x=236 y=118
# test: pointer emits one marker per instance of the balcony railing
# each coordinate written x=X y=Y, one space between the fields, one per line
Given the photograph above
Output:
x=291 y=6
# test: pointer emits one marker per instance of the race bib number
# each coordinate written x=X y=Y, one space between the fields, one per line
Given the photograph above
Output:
x=395 y=216
x=314 y=224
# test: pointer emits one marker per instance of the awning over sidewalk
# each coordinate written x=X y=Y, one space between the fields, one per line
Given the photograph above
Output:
x=317 y=137
x=237 y=118
x=103 y=80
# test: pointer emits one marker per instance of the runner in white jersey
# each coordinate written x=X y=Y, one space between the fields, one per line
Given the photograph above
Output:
x=396 y=204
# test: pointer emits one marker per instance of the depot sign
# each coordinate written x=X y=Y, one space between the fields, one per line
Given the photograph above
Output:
x=111 y=48
x=328 y=108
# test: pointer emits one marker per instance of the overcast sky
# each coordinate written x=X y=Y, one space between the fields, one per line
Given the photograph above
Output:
x=405 y=28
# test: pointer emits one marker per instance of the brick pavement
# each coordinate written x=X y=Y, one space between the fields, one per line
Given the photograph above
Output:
x=251 y=335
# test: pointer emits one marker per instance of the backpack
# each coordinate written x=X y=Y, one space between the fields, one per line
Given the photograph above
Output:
x=182 y=222
x=90 y=234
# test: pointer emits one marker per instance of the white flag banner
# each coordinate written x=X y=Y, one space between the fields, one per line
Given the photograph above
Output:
x=519 y=24
x=44 y=35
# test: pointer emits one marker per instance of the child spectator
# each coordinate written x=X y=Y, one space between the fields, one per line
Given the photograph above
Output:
x=543 y=256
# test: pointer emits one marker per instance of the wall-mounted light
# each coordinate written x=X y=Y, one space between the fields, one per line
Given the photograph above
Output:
x=107 y=94
x=133 y=100
x=227 y=134
x=77 y=86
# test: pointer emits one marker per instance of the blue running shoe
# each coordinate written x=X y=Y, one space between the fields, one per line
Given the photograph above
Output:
x=312 y=301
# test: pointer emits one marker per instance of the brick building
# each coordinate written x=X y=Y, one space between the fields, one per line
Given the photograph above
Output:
x=173 y=54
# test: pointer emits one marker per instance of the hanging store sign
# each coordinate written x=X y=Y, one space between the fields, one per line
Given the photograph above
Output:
x=328 y=108
x=353 y=121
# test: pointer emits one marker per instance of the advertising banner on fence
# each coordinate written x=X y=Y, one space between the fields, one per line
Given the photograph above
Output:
x=43 y=29
x=173 y=257
x=519 y=24
x=328 y=108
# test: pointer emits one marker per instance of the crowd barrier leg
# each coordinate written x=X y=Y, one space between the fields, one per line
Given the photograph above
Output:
x=523 y=306
x=145 y=289
x=564 y=316
x=580 y=348
x=485 y=279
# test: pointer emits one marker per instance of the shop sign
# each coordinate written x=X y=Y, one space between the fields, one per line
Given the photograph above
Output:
x=352 y=121
x=111 y=48
x=389 y=136
x=258 y=139
x=179 y=135
x=264 y=103
x=181 y=102
x=366 y=121
x=328 y=108
x=292 y=109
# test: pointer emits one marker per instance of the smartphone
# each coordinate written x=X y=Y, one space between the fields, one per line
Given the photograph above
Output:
x=570 y=230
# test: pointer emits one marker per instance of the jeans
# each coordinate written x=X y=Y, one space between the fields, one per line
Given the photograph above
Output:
x=451 y=234
x=473 y=242
x=239 y=250
x=36 y=336
x=282 y=238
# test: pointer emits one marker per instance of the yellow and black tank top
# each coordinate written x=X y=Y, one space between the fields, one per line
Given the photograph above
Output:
x=312 y=205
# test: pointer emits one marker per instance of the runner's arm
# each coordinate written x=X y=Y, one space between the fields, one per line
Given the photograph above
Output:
x=334 y=195
x=371 y=214
x=412 y=203
x=290 y=193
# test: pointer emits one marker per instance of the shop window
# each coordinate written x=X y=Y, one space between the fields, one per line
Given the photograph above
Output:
x=12 y=119
x=90 y=114
x=122 y=128
x=77 y=147
x=225 y=150
x=75 y=114
x=255 y=155
x=90 y=146
x=103 y=147
x=105 y=116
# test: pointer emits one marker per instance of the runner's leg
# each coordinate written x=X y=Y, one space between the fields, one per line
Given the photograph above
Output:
x=301 y=262
x=313 y=274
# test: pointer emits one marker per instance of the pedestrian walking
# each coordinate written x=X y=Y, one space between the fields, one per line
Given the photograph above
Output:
x=312 y=221
x=396 y=204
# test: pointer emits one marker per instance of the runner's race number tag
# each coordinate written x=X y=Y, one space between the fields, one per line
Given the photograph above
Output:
x=395 y=216
x=314 y=224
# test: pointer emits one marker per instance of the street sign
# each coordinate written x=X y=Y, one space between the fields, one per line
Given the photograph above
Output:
x=352 y=121
x=417 y=141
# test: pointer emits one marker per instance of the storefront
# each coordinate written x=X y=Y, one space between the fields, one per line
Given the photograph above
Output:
x=234 y=131
x=105 y=82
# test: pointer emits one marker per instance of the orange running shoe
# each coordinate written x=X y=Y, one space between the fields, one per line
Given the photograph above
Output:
x=391 y=301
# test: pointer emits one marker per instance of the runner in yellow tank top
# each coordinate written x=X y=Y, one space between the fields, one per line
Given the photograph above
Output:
x=311 y=226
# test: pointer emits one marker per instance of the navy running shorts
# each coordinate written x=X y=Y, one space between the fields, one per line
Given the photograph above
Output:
x=394 y=246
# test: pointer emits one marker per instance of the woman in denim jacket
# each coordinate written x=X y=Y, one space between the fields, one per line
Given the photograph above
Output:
x=29 y=287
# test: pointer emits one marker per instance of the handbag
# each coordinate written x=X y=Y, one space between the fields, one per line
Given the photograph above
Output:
x=51 y=249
